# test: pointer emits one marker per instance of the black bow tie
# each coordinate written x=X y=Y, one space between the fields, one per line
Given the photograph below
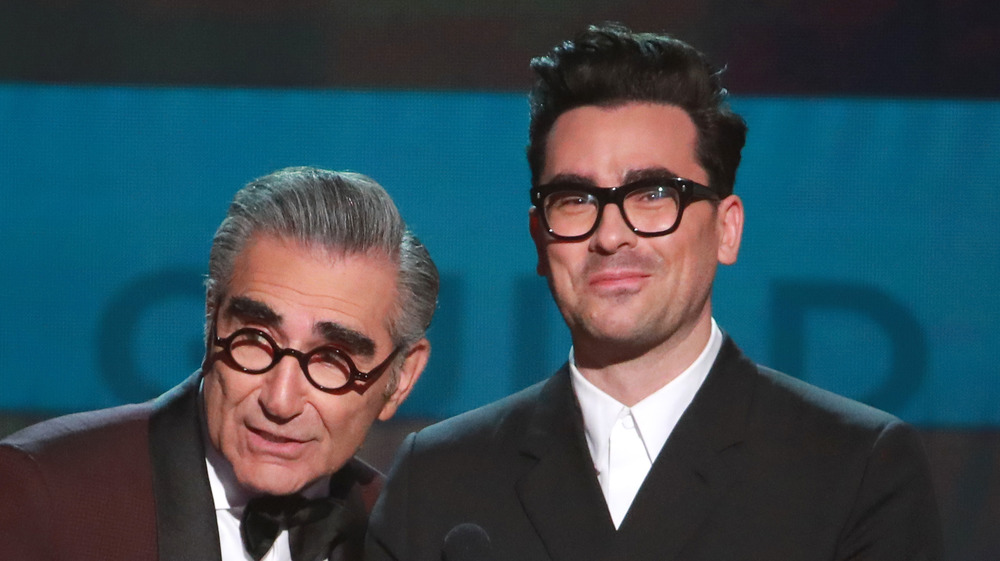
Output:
x=313 y=525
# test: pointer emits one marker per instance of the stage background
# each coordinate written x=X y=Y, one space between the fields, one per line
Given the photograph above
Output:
x=870 y=251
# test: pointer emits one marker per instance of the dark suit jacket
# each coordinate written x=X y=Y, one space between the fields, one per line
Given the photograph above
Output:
x=129 y=484
x=761 y=466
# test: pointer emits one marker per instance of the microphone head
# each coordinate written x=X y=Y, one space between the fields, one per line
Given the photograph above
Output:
x=467 y=542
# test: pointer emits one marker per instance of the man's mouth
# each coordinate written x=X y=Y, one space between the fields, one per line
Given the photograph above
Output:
x=617 y=279
x=273 y=444
x=272 y=437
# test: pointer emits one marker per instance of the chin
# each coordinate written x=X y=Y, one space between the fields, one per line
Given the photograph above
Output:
x=613 y=331
x=273 y=480
x=625 y=337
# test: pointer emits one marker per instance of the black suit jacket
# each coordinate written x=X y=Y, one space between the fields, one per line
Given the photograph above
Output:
x=760 y=466
x=129 y=484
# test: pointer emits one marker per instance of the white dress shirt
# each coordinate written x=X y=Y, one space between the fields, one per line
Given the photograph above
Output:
x=624 y=441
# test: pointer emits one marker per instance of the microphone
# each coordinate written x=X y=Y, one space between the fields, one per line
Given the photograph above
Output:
x=467 y=542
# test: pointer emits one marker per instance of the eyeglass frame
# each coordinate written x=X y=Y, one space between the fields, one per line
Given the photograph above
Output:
x=688 y=191
x=280 y=352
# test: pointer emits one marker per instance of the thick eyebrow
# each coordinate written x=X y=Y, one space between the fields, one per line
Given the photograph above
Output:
x=631 y=176
x=352 y=341
x=634 y=175
x=571 y=178
x=250 y=310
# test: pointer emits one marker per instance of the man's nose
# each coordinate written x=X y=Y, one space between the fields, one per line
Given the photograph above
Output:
x=283 y=390
x=612 y=233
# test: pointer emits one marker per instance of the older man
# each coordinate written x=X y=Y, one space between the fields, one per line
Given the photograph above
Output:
x=317 y=303
x=658 y=439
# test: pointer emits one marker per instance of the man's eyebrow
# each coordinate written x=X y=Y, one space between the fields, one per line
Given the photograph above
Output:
x=648 y=173
x=657 y=172
x=352 y=341
x=571 y=178
x=250 y=310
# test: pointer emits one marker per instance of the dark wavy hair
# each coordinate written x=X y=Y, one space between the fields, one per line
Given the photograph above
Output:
x=609 y=65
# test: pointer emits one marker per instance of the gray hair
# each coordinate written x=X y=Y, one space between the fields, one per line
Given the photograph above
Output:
x=339 y=211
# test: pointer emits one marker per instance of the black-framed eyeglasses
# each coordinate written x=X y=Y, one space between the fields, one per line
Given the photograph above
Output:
x=651 y=207
x=327 y=367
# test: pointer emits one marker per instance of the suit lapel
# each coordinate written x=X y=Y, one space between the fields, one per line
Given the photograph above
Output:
x=352 y=486
x=696 y=466
x=560 y=493
x=185 y=517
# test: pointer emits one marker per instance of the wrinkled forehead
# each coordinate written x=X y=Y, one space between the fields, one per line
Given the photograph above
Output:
x=302 y=270
x=296 y=286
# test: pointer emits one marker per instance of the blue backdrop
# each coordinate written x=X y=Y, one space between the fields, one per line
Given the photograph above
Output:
x=868 y=264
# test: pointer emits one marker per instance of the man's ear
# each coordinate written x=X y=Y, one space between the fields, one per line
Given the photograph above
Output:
x=539 y=236
x=413 y=365
x=730 y=225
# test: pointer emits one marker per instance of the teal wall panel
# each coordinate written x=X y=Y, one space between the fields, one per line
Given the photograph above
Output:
x=868 y=267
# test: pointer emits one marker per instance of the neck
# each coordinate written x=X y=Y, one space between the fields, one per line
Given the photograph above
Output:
x=631 y=375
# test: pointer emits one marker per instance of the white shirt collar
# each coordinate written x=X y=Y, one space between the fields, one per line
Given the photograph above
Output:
x=655 y=416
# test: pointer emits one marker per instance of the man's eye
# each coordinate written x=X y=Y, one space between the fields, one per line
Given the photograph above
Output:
x=569 y=200
x=252 y=339
x=327 y=357
x=652 y=197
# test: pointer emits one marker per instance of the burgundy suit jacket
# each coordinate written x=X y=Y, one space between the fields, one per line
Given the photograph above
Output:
x=130 y=484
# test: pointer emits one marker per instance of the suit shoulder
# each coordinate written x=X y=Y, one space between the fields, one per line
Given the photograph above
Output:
x=484 y=424
x=81 y=435
x=80 y=483
x=809 y=399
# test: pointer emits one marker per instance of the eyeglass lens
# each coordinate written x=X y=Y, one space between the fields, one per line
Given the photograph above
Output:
x=649 y=210
x=326 y=366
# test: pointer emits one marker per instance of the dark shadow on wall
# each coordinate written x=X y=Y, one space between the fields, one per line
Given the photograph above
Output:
x=118 y=358
x=793 y=300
